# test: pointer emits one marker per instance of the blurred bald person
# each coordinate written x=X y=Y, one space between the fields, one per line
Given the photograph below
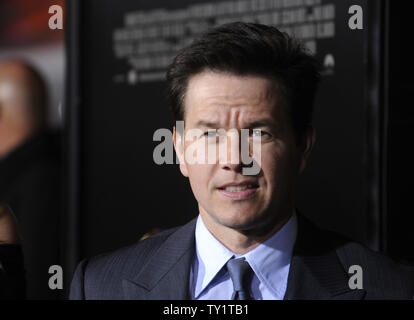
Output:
x=30 y=171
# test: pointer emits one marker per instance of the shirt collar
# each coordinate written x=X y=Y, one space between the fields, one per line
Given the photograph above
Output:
x=211 y=255
x=266 y=260
x=270 y=261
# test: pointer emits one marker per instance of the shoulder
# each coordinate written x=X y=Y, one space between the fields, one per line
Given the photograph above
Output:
x=130 y=258
x=100 y=277
x=381 y=276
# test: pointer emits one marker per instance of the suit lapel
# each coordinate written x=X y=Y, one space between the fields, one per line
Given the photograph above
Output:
x=166 y=275
x=316 y=272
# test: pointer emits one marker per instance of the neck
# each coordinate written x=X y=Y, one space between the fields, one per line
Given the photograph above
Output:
x=10 y=140
x=243 y=241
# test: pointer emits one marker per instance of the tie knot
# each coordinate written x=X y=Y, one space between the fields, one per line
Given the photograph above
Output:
x=240 y=273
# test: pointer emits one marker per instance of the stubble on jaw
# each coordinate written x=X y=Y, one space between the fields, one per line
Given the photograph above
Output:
x=243 y=239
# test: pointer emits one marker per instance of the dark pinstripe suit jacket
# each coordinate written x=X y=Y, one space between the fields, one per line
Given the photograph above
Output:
x=158 y=268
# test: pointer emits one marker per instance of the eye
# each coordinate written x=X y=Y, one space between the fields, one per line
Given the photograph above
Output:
x=259 y=133
x=210 y=134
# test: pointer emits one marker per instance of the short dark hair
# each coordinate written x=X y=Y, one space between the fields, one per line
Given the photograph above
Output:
x=250 y=49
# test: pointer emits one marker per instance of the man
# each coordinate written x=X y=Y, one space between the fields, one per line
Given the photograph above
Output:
x=30 y=171
x=12 y=280
x=248 y=242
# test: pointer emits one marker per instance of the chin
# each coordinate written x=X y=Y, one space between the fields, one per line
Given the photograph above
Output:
x=240 y=221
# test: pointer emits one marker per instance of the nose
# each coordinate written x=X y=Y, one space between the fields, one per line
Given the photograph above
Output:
x=230 y=151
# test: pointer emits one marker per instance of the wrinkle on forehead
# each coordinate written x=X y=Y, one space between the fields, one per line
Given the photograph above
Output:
x=230 y=99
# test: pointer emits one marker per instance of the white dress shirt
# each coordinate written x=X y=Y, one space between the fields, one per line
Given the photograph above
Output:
x=270 y=262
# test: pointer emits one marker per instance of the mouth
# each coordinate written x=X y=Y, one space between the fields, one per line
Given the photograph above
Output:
x=239 y=191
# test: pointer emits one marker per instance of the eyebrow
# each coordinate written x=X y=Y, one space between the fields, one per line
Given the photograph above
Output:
x=261 y=123
x=208 y=124
x=251 y=125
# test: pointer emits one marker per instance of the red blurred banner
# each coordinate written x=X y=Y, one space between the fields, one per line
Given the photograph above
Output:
x=26 y=22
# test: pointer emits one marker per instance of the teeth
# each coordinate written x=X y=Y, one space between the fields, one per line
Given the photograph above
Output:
x=238 y=188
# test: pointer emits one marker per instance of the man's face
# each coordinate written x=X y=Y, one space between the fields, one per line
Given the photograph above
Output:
x=225 y=196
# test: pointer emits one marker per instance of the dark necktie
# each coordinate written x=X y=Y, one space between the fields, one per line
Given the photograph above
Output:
x=241 y=274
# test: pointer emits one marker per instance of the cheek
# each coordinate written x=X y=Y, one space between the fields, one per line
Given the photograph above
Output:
x=277 y=165
x=271 y=156
x=200 y=177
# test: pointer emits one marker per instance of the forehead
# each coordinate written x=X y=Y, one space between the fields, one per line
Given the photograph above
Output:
x=219 y=96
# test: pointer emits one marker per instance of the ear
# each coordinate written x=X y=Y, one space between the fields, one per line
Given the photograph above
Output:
x=179 y=149
x=306 y=147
